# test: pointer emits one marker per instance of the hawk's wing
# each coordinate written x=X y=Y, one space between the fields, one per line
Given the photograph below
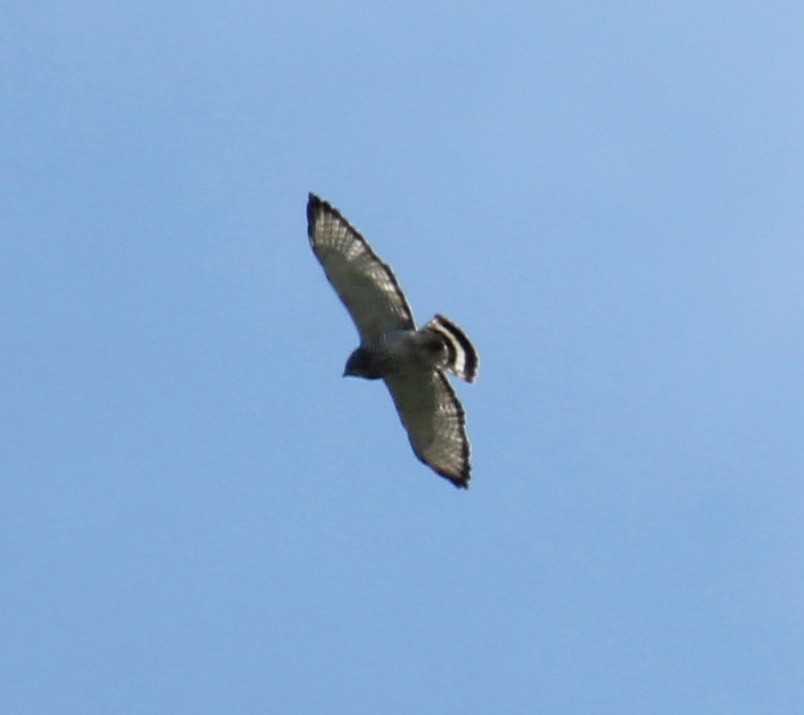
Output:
x=435 y=422
x=366 y=285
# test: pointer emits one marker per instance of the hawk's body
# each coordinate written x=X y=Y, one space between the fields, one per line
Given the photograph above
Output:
x=410 y=361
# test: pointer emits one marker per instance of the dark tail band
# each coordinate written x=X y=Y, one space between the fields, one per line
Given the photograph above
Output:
x=461 y=354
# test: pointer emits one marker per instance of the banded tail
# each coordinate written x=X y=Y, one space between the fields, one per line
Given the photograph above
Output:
x=462 y=357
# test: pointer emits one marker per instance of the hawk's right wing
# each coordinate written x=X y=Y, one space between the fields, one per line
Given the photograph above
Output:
x=434 y=419
x=366 y=285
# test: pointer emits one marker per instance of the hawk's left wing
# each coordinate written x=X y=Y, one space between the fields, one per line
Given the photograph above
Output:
x=434 y=419
x=366 y=285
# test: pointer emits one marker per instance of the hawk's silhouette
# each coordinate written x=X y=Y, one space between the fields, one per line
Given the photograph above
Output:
x=411 y=362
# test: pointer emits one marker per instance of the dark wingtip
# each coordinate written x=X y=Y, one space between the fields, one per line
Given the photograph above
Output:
x=314 y=205
x=460 y=481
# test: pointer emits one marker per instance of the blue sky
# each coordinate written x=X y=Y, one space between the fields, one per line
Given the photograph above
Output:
x=201 y=515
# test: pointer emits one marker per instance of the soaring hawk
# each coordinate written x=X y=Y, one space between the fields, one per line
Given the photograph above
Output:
x=411 y=362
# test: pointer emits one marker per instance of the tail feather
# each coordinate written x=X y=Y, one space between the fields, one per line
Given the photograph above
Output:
x=462 y=357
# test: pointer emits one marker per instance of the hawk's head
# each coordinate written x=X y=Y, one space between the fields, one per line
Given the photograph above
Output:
x=361 y=364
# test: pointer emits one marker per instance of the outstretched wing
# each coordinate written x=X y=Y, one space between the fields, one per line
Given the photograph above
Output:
x=435 y=422
x=366 y=285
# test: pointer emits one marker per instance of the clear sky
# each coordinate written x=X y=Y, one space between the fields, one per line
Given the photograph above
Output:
x=200 y=515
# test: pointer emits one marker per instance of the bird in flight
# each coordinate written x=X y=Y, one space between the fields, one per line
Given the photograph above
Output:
x=412 y=363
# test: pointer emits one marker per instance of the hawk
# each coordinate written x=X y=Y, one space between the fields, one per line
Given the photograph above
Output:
x=411 y=362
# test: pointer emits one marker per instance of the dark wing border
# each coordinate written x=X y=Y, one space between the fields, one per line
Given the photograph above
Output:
x=316 y=204
x=460 y=480
x=412 y=394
